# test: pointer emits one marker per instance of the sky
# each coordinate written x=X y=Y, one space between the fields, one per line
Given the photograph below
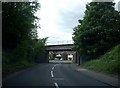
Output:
x=59 y=17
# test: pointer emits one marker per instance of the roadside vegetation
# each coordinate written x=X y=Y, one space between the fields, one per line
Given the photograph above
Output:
x=20 y=43
x=108 y=63
x=96 y=35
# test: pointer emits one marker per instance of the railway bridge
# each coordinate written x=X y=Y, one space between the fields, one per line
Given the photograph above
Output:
x=62 y=47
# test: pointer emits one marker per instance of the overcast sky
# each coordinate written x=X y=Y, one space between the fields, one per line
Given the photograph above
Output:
x=59 y=17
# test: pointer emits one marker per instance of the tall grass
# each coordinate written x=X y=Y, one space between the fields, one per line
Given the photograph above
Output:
x=108 y=63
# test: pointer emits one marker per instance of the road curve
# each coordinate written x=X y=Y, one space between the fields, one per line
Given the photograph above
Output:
x=55 y=75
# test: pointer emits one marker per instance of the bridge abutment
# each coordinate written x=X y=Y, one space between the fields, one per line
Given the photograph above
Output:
x=77 y=58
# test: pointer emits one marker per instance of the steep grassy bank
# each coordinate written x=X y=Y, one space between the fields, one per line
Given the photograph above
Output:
x=108 y=63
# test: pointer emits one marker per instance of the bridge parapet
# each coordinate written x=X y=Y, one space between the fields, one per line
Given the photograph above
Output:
x=60 y=42
x=63 y=47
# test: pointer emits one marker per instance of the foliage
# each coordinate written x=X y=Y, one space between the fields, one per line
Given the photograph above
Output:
x=40 y=46
x=20 y=43
x=108 y=63
x=23 y=52
x=19 y=23
x=99 y=30
x=22 y=56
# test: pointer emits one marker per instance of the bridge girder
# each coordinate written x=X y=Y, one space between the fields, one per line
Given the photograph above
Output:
x=67 y=47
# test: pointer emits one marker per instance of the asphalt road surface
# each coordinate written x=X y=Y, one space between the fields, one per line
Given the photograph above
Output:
x=53 y=74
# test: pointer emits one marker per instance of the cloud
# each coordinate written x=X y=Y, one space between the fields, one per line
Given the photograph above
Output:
x=59 y=17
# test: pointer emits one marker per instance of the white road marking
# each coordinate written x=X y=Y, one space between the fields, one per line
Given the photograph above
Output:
x=53 y=68
x=56 y=85
x=81 y=69
x=55 y=65
x=52 y=74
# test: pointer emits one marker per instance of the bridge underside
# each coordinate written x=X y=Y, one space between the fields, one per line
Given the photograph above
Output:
x=67 y=47
x=60 y=48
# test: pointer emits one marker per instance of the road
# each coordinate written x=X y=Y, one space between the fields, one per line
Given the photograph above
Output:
x=53 y=74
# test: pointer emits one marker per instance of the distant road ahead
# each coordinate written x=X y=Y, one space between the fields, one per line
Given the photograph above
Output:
x=54 y=74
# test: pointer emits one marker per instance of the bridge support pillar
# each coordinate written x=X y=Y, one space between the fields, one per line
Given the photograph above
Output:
x=78 y=58
x=75 y=57
x=78 y=61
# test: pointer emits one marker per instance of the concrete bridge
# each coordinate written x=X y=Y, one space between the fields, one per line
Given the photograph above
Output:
x=58 y=48
x=64 y=47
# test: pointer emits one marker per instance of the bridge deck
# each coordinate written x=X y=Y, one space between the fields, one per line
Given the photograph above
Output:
x=62 y=47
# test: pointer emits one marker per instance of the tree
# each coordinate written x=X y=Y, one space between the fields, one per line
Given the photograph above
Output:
x=18 y=23
x=99 y=30
x=19 y=32
x=40 y=47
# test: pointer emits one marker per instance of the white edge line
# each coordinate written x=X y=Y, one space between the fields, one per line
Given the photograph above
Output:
x=56 y=85
x=52 y=74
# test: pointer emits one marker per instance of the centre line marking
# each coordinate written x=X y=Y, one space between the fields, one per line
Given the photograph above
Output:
x=55 y=65
x=56 y=85
x=52 y=74
x=52 y=68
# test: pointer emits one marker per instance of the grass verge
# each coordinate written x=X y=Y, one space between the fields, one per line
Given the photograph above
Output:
x=108 y=63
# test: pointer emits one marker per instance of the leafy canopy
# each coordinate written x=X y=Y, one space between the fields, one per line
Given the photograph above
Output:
x=19 y=23
x=99 y=30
